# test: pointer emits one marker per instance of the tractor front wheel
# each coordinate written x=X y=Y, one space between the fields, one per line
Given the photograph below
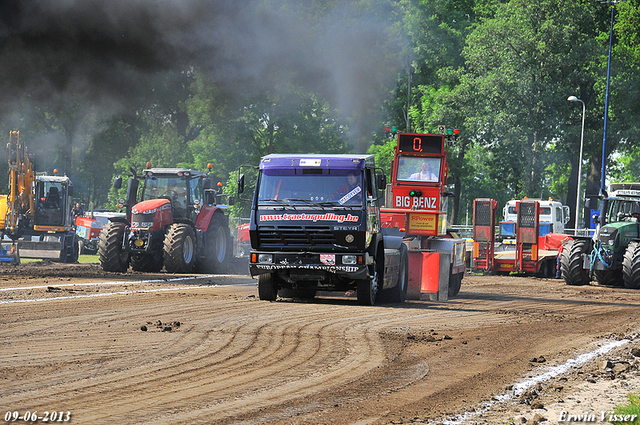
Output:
x=179 y=248
x=571 y=262
x=112 y=257
x=631 y=266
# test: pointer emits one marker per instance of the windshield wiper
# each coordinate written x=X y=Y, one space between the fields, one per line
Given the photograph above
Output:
x=299 y=200
x=278 y=201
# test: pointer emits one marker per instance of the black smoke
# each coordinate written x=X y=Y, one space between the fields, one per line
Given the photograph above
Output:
x=112 y=52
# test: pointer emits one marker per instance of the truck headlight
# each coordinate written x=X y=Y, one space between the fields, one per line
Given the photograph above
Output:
x=265 y=258
x=349 y=259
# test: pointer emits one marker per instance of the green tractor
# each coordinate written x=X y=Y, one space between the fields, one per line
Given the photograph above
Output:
x=612 y=256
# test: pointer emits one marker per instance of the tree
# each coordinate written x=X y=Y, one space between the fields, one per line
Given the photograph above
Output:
x=523 y=59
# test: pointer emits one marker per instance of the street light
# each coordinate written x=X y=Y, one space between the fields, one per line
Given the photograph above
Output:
x=575 y=99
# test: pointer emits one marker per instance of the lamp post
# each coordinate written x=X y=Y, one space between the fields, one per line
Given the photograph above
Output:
x=575 y=99
x=606 y=103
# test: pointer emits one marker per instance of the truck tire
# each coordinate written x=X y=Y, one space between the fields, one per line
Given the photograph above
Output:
x=179 y=248
x=112 y=257
x=608 y=277
x=367 y=289
x=455 y=282
x=398 y=294
x=631 y=266
x=152 y=262
x=218 y=249
x=267 y=287
x=571 y=262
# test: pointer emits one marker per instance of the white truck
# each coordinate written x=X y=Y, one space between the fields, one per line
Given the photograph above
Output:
x=553 y=217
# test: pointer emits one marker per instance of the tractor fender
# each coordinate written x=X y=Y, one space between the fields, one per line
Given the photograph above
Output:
x=120 y=220
x=205 y=216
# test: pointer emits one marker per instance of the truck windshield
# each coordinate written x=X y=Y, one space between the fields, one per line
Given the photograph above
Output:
x=416 y=168
x=310 y=186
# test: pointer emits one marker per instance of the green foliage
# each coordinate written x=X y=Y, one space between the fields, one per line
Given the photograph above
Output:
x=384 y=156
x=499 y=70
x=632 y=409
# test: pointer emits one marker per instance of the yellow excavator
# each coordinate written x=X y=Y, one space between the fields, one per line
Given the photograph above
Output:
x=35 y=217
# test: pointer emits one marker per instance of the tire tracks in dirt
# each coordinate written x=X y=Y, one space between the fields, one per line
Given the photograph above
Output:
x=234 y=359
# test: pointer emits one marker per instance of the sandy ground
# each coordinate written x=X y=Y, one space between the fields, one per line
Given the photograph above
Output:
x=169 y=349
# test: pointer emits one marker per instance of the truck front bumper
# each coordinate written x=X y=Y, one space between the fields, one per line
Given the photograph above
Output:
x=310 y=264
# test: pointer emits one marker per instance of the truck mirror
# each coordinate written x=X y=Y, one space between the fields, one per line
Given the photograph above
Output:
x=117 y=182
x=381 y=181
x=240 y=183
x=206 y=183
x=70 y=190
x=232 y=200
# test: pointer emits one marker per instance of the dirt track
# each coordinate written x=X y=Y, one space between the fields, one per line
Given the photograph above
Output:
x=193 y=351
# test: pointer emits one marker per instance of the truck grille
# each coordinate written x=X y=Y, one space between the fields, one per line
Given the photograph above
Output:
x=295 y=236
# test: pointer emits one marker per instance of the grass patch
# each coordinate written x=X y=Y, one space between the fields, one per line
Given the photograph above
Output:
x=627 y=411
x=82 y=259
x=88 y=259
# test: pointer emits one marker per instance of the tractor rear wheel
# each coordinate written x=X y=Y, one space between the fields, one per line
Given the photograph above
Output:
x=571 y=262
x=631 y=266
x=608 y=277
x=112 y=257
x=219 y=247
x=147 y=262
x=179 y=248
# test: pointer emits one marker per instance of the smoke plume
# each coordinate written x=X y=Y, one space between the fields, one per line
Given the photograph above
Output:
x=111 y=52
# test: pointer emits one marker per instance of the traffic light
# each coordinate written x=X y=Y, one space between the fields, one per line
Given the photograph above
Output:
x=416 y=193
x=452 y=135
x=390 y=131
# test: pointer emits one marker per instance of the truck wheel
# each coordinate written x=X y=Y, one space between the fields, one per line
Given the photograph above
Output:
x=399 y=292
x=455 y=282
x=218 y=249
x=112 y=257
x=571 y=262
x=267 y=287
x=608 y=277
x=367 y=289
x=179 y=248
x=631 y=266
x=147 y=262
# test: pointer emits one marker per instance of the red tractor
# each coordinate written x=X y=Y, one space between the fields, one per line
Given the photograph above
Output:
x=177 y=224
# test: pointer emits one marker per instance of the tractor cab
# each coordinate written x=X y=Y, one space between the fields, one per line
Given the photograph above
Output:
x=183 y=191
x=52 y=201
